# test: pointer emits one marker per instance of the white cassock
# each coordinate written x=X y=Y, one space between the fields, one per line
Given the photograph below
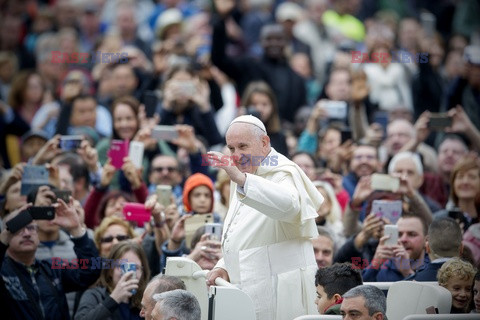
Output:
x=266 y=244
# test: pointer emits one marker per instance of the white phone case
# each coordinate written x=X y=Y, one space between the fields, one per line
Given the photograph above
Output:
x=135 y=153
x=391 y=230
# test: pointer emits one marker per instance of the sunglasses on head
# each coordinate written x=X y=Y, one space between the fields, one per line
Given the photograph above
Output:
x=110 y=238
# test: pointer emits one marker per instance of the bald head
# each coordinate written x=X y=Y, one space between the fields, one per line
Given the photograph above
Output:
x=158 y=284
x=399 y=132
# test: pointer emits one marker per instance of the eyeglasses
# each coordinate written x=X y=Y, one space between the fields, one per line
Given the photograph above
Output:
x=31 y=228
x=119 y=237
x=160 y=169
x=366 y=157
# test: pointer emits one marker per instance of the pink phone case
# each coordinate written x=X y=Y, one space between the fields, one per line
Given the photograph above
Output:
x=136 y=212
x=118 y=150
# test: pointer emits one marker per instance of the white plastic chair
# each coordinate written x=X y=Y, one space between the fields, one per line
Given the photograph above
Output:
x=410 y=297
x=226 y=302
x=468 y=316
x=386 y=285
x=319 y=317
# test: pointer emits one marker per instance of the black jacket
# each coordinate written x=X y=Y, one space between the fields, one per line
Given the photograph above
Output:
x=46 y=283
x=96 y=303
x=289 y=87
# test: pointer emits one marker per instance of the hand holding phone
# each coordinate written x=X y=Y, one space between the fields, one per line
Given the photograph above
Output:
x=150 y=100
x=70 y=143
x=193 y=223
x=392 y=231
x=136 y=212
x=135 y=153
x=63 y=194
x=20 y=221
x=167 y=133
x=439 y=121
x=164 y=194
x=385 y=182
x=127 y=267
x=33 y=177
x=391 y=210
x=335 y=109
x=214 y=230
x=42 y=213
x=118 y=150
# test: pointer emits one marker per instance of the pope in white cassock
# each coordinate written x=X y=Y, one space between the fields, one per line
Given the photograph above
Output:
x=266 y=244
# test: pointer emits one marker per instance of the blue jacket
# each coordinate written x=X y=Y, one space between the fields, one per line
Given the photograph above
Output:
x=428 y=272
x=47 y=285
x=387 y=272
x=349 y=183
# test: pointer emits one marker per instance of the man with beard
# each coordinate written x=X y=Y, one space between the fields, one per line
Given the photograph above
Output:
x=437 y=186
x=272 y=68
x=395 y=263
x=399 y=133
x=37 y=288
x=364 y=162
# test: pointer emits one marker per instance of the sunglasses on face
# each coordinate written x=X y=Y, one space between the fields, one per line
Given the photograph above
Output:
x=160 y=169
x=110 y=238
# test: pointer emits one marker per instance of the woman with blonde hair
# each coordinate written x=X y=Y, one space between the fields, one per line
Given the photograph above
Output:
x=111 y=231
x=330 y=213
x=119 y=294
x=464 y=193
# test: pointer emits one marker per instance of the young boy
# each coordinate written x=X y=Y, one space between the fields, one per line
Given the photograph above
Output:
x=332 y=282
x=457 y=276
x=198 y=195
x=476 y=292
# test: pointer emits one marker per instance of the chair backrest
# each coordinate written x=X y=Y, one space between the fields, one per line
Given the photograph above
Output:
x=410 y=297
x=228 y=303
x=319 y=317
x=467 y=316
x=185 y=269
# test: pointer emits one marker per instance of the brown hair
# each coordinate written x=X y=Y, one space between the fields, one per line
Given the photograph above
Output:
x=16 y=97
x=273 y=122
x=106 y=275
x=130 y=101
x=106 y=223
x=462 y=166
x=115 y=194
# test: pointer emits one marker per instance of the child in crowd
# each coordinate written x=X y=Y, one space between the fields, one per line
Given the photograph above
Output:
x=198 y=195
x=457 y=276
x=476 y=293
x=332 y=282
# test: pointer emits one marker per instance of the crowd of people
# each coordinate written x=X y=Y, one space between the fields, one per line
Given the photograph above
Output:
x=273 y=118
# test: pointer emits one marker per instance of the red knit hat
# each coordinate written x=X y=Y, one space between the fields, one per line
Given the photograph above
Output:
x=196 y=180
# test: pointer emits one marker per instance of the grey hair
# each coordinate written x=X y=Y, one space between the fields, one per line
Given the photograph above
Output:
x=166 y=283
x=179 y=304
x=406 y=155
x=375 y=300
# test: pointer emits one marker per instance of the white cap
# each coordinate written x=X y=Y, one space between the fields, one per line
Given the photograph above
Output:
x=251 y=120
x=168 y=18
x=289 y=11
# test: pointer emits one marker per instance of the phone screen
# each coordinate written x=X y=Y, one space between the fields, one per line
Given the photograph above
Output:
x=150 y=100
